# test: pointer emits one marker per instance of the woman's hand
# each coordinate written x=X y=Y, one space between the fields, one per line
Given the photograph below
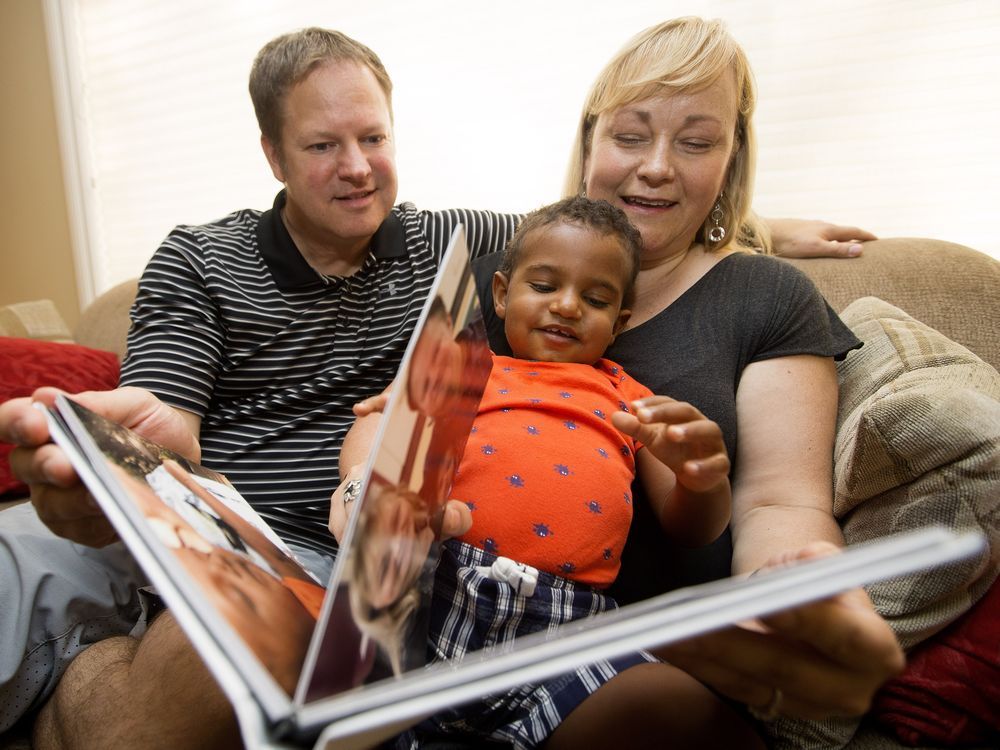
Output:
x=806 y=238
x=827 y=658
x=60 y=499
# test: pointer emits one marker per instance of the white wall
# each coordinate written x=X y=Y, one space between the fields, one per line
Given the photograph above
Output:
x=880 y=114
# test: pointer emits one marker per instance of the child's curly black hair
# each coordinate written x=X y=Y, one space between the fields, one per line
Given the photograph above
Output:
x=596 y=215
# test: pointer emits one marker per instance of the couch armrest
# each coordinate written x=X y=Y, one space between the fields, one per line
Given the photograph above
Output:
x=952 y=288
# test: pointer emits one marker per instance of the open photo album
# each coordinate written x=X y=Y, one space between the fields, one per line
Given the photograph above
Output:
x=342 y=662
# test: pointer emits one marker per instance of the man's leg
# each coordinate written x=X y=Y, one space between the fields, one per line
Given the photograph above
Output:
x=150 y=693
x=56 y=599
x=153 y=692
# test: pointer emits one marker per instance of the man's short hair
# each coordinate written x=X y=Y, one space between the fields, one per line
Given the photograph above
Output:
x=287 y=59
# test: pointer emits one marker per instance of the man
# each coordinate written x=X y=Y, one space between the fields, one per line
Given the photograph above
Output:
x=258 y=332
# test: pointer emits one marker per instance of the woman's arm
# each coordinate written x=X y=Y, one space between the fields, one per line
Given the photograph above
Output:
x=828 y=658
x=354 y=453
x=783 y=489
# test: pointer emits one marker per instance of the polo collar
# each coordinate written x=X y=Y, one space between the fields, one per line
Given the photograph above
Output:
x=286 y=264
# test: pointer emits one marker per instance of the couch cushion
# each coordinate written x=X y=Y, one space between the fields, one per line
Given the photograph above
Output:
x=26 y=364
x=950 y=287
x=918 y=443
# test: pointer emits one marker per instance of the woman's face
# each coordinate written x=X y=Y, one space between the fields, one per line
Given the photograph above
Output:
x=663 y=160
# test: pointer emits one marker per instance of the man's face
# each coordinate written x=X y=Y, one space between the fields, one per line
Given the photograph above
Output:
x=336 y=157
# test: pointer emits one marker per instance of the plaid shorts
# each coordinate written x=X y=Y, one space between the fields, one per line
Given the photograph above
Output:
x=471 y=611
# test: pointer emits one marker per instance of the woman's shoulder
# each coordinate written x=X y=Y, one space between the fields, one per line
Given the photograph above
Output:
x=756 y=269
x=761 y=262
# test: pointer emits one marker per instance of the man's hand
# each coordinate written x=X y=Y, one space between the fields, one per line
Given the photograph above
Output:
x=60 y=499
x=806 y=238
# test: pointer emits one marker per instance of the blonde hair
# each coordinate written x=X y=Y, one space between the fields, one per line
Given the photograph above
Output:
x=682 y=55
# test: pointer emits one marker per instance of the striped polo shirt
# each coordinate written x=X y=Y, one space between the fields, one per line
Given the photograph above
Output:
x=231 y=323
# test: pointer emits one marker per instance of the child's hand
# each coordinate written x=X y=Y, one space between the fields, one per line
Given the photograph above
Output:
x=679 y=436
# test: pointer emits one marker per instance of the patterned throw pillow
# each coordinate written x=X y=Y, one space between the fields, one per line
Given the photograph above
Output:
x=918 y=443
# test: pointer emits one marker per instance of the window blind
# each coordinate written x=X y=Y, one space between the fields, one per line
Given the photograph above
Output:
x=882 y=115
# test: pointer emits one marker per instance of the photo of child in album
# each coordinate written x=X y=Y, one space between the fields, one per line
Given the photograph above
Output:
x=393 y=553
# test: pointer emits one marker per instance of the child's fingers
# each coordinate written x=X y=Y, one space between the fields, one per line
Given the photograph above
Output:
x=704 y=473
x=701 y=433
x=663 y=409
x=626 y=423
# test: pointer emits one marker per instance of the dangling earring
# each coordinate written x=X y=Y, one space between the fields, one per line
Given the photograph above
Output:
x=717 y=233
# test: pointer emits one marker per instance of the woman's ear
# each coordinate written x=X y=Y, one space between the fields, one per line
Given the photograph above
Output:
x=500 y=282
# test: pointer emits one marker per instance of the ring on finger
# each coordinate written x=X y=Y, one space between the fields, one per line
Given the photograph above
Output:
x=352 y=491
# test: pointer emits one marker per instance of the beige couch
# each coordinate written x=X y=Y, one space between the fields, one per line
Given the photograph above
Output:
x=883 y=481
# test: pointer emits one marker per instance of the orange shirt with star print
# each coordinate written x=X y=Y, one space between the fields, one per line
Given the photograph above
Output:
x=545 y=473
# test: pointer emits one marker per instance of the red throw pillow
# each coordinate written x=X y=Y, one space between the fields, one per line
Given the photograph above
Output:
x=949 y=694
x=26 y=364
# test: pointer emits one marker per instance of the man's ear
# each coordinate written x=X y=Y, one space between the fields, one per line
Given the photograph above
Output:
x=500 y=282
x=623 y=316
x=273 y=154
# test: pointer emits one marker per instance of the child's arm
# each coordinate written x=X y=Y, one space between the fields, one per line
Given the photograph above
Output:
x=684 y=467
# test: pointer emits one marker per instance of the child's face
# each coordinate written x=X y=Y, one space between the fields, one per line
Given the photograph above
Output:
x=563 y=300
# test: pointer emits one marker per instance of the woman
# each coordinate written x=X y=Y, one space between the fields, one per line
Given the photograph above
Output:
x=667 y=135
